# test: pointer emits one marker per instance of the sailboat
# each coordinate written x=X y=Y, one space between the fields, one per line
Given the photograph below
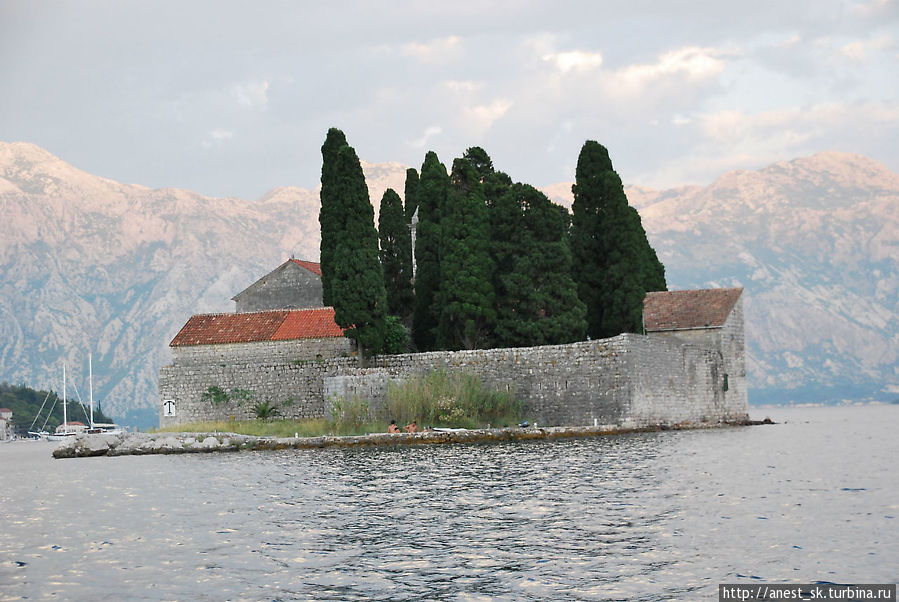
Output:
x=70 y=429
x=66 y=429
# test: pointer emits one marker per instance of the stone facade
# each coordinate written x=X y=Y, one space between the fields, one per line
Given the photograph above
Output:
x=690 y=367
x=638 y=380
x=294 y=284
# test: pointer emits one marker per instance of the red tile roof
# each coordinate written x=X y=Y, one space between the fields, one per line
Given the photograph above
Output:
x=308 y=324
x=680 y=310
x=315 y=268
x=275 y=325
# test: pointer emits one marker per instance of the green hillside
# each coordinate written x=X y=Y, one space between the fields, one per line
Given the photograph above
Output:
x=26 y=402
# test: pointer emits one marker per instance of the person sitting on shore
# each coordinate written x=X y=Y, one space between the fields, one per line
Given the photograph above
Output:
x=411 y=427
x=393 y=428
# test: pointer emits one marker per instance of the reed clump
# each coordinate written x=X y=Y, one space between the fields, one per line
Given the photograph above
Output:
x=451 y=399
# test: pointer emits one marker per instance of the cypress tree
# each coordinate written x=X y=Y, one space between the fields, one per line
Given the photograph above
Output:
x=330 y=215
x=496 y=183
x=410 y=193
x=611 y=257
x=537 y=301
x=357 y=281
x=480 y=161
x=431 y=195
x=653 y=269
x=396 y=255
x=466 y=298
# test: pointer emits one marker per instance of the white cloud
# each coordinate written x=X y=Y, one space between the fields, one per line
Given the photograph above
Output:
x=433 y=51
x=462 y=87
x=745 y=139
x=251 y=94
x=482 y=117
x=216 y=138
x=692 y=61
x=575 y=60
x=430 y=132
x=859 y=50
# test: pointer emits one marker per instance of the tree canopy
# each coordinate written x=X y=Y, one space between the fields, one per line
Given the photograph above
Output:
x=410 y=193
x=356 y=279
x=613 y=263
x=536 y=298
x=466 y=297
x=396 y=255
x=331 y=215
x=432 y=193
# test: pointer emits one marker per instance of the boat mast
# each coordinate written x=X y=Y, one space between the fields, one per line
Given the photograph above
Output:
x=65 y=419
x=90 y=386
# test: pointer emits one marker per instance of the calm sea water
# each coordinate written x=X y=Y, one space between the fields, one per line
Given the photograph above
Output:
x=659 y=516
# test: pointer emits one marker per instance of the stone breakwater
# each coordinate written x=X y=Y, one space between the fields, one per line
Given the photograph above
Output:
x=137 y=444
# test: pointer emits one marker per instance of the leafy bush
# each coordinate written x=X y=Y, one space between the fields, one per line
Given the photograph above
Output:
x=218 y=396
x=349 y=415
x=265 y=410
x=450 y=399
x=398 y=339
x=215 y=395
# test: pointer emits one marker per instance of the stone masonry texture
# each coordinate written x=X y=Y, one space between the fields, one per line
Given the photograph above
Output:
x=635 y=380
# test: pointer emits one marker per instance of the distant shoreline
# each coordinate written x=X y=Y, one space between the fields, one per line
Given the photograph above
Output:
x=139 y=444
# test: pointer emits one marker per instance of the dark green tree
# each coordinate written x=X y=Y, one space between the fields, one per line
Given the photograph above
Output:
x=357 y=281
x=432 y=193
x=612 y=262
x=466 y=297
x=536 y=298
x=480 y=161
x=410 y=193
x=496 y=183
x=654 y=270
x=396 y=255
x=331 y=213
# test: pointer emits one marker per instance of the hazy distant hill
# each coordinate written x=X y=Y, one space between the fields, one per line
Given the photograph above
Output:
x=89 y=264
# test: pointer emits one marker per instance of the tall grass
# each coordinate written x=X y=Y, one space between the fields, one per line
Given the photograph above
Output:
x=439 y=398
x=448 y=399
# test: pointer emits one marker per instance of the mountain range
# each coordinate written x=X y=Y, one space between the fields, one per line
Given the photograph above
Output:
x=91 y=265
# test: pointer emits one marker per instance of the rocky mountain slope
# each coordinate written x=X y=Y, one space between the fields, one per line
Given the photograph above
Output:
x=88 y=264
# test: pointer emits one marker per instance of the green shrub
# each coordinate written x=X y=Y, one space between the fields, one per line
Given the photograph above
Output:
x=450 y=399
x=215 y=395
x=218 y=396
x=398 y=339
x=349 y=415
x=265 y=410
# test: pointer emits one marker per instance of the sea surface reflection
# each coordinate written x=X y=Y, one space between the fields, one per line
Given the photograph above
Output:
x=656 y=516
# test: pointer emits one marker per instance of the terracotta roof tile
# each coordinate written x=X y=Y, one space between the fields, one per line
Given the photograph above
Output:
x=274 y=325
x=677 y=310
x=315 y=268
x=308 y=324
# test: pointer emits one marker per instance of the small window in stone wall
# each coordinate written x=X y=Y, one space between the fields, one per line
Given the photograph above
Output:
x=726 y=387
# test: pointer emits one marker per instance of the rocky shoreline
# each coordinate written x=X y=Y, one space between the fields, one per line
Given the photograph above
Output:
x=139 y=444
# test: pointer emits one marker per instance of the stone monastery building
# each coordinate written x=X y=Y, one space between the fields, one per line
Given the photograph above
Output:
x=282 y=346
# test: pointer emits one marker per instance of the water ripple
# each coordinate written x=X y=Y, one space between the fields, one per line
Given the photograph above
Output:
x=657 y=516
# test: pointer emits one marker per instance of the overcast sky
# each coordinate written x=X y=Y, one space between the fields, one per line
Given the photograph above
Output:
x=233 y=98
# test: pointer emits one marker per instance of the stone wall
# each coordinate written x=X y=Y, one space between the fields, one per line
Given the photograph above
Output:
x=727 y=347
x=287 y=373
x=289 y=287
x=626 y=380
